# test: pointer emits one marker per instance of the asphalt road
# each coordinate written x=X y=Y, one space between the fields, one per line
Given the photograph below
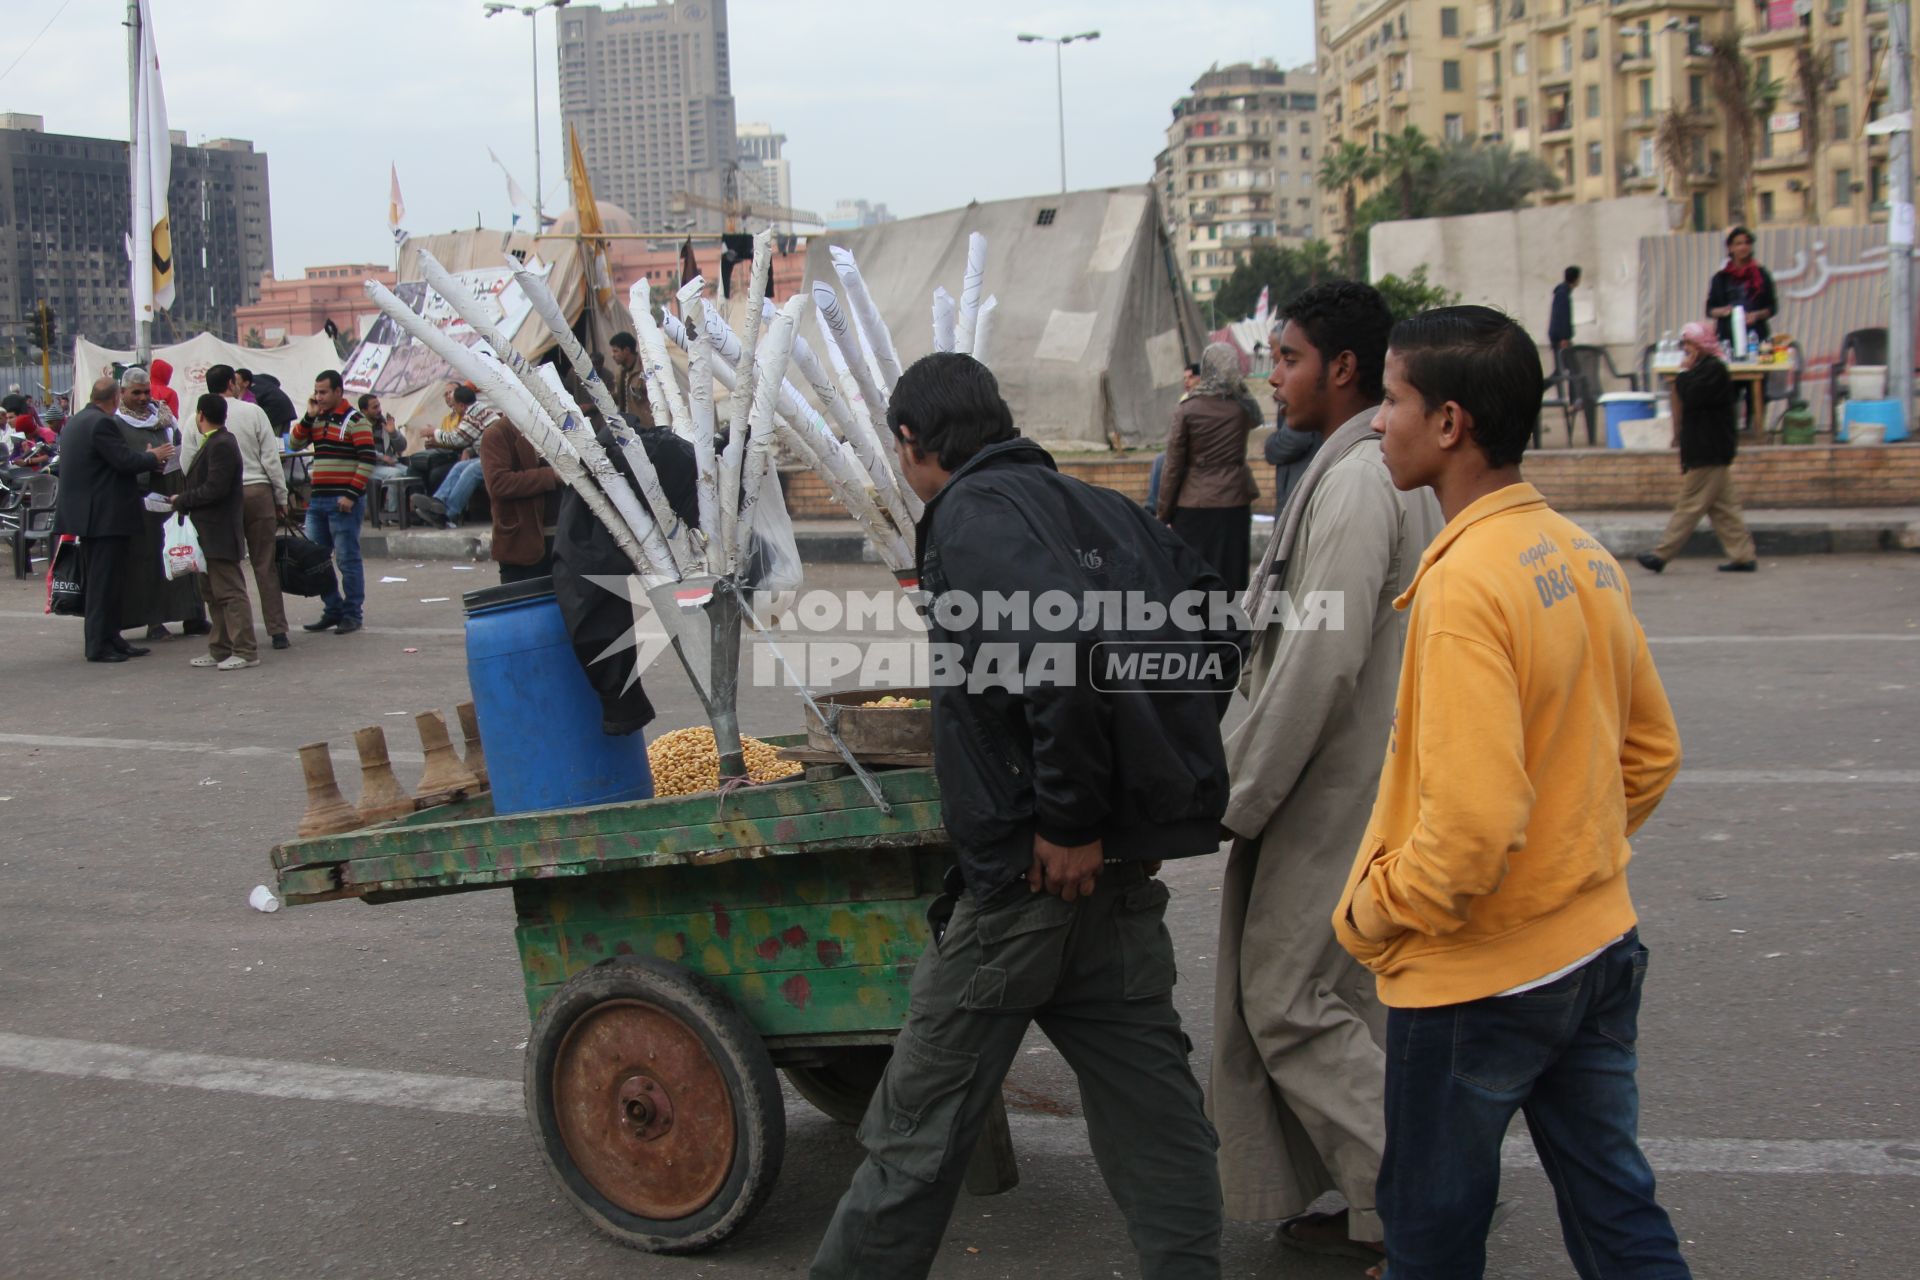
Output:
x=1777 y=887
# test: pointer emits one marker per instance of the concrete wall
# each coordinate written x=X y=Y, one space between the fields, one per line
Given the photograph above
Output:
x=1513 y=260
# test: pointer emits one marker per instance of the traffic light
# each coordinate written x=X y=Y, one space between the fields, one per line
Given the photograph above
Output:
x=44 y=334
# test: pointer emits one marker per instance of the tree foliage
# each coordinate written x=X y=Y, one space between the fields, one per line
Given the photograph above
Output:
x=1413 y=294
x=1283 y=269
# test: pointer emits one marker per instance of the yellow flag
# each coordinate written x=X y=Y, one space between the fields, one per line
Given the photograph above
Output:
x=588 y=214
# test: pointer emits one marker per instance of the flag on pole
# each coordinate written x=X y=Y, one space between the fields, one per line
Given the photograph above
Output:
x=515 y=196
x=396 y=207
x=152 y=172
x=1261 y=311
x=588 y=214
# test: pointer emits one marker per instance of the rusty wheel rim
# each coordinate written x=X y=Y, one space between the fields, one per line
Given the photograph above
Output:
x=643 y=1109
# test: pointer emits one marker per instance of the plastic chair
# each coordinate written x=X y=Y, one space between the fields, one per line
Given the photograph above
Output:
x=1586 y=365
x=36 y=525
x=1862 y=346
x=1558 y=393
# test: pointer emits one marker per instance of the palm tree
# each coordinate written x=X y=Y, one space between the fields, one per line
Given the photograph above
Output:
x=1343 y=169
x=1408 y=161
x=1811 y=67
x=1317 y=261
x=1488 y=179
x=1745 y=101
x=1673 y=139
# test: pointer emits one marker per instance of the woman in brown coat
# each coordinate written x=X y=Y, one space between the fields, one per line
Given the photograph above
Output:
x=213 y=499
x=1206 y=487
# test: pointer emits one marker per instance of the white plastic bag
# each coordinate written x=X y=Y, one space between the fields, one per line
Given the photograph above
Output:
x=180 y=554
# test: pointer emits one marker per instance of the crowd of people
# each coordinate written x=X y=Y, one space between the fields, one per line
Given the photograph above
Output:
x=1425 y=923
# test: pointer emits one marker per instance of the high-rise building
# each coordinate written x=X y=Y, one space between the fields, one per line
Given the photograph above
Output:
x=648 y=89
x=64 y=216
x=1238 y=169
x=1593 y=88
x=850 y=214
x=765 y=177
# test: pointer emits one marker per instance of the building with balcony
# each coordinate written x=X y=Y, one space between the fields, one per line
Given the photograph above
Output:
x=1238 y=169
x=1588 y=84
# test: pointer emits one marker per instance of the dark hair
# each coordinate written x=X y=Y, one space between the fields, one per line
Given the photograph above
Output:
x=245 y=375
x=219 y=378
x=1573 y=275
x=1484 y=362
x=213 y=407
x=1194 y=369
x=952 y=404
x=1345 y=315
x=624 y=341
x=464 y=394
x=1737 y=232
x=362 y=401
x=329 y=376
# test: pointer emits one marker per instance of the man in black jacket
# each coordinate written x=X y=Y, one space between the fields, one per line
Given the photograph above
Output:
x=100 y=504
x=1065 y=780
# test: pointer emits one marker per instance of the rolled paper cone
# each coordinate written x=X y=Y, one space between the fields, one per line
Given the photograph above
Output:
x=773 y=372
x=632 y=528
x=476 y=757
x=970 y=286
x=810 y=437
x=706 y=465
x=663 y=392
x=444 y=777
x=382 y=798
x=742 y=403
x=878 y=336
x=983 y=329
x=679 y=546
x=328 y=812
x=850 y=361
x=943 y=319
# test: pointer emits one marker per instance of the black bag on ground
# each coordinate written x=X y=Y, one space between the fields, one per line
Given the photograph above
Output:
x=306 y=568
x=67 y=579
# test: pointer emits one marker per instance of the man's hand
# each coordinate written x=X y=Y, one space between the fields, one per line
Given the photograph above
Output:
x=1068 y=872
x=280 y=510
x=163 y=452
x=345 y=505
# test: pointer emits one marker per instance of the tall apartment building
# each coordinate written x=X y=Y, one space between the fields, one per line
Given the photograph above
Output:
x=64 y=218
x=1238 y=167
x=765 y=177
x=1585 y=85
x=649 y=90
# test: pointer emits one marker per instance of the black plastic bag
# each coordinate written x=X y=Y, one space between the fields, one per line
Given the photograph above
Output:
x=306 y=568
x=67 y=579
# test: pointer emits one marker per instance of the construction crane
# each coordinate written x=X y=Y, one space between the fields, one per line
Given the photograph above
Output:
x=739 y=210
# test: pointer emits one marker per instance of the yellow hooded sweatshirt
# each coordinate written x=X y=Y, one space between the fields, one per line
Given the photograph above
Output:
x=1531 y=737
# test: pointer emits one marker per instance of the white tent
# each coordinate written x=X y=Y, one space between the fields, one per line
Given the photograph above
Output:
x=1092 y=331
x=296 y=364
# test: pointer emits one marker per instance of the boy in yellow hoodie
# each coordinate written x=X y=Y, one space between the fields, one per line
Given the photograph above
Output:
x=1531 y=738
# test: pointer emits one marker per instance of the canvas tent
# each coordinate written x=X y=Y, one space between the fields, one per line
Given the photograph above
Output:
x=409 y=378
x=296 y=364
x=1092 y=330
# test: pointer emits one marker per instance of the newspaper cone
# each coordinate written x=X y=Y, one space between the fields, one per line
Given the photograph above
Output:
x=871 y=325
x=743 y=376
x=850 y=362
x=660 y=372
x=983 y=329
x=943 y=319
x=706 y=466
x=970 y=286
x=772 y=360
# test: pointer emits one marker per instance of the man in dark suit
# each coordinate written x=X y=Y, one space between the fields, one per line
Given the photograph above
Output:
x=100 y=504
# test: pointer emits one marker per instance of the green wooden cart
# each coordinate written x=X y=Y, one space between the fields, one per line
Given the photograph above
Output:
x=676 y=951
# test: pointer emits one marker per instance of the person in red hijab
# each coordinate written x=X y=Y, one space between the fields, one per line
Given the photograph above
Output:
x=163 y=375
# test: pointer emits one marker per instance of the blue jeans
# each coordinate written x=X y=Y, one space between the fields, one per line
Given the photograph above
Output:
x=1562 y=1053
x=457 y=489
x=339 y=532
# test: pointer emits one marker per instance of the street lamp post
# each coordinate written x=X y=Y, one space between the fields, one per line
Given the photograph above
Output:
x=1059 y=88
x=531 y=11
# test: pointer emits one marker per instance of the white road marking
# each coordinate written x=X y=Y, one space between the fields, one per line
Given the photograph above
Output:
x=34 y=615
x=1838 y=637
x=187 y=748
x=1801 y=777
x=1059 y=1136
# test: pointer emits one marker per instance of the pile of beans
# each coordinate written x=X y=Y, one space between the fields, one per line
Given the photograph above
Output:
x=685 y=761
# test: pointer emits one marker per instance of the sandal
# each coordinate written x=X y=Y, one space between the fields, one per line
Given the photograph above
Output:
x=1324 y=1234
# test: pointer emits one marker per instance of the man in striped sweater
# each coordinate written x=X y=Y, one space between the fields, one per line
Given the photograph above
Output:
x=343 y=460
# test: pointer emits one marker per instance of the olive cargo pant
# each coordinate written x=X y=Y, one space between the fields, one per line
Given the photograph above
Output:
x=1098 y=976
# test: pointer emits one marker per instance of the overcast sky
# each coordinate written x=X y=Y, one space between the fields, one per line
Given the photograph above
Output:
x=920 y=105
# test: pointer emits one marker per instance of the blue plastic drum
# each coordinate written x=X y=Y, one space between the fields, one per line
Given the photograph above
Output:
x=539 y=718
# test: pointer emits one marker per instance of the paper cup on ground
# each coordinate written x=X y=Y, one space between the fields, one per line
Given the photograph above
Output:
x=262 y=899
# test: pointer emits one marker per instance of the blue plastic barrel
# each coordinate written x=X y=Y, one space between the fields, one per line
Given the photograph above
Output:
x=539 y=718
x=1885 y=413
x=1624 y=406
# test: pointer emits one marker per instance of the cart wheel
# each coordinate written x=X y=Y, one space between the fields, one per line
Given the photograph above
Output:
x=656 y=1105
x=841 y=1087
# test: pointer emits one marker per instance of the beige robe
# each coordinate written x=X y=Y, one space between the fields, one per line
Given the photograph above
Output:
x=1298 y=1071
